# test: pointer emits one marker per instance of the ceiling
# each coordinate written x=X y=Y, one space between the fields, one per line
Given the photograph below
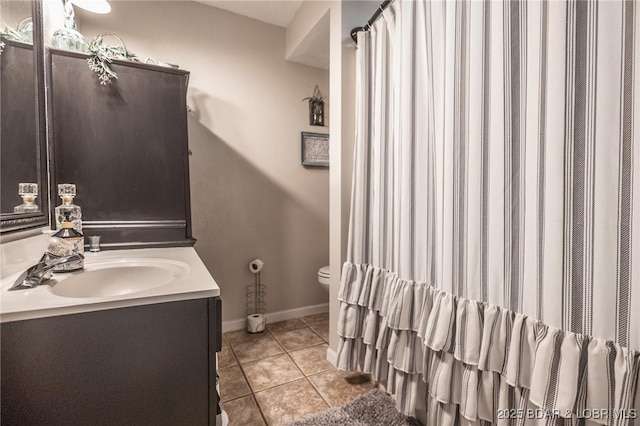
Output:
x=276 y=12
x=313 y=49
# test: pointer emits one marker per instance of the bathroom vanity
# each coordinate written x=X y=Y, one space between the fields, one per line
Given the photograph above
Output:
x=131 y=340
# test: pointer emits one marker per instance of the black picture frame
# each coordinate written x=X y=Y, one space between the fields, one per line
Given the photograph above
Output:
x=314 y=149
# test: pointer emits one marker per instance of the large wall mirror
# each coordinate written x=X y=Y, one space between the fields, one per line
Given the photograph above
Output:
x=23 y=153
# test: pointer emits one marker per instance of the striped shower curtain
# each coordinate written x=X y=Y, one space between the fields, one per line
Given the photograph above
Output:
x=493 y=269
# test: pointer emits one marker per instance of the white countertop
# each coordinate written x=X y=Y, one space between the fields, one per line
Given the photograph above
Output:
x=192 y=282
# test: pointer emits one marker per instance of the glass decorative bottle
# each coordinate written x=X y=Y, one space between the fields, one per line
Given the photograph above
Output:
x=68 y=233
x=28 y=192
x=67 y=191
x=68 y=37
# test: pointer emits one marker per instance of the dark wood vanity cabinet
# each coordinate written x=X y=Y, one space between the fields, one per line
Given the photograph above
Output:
x=125 y=146
x=142 y=365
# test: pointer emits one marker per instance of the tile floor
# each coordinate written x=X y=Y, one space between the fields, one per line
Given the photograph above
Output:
x=282 y=374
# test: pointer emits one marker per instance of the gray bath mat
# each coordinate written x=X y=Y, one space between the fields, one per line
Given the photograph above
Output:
x=375 y=408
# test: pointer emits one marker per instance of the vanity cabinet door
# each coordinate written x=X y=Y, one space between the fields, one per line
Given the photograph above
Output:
x=144 y=365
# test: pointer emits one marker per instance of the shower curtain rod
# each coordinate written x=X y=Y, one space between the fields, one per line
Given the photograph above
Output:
x=376 y=14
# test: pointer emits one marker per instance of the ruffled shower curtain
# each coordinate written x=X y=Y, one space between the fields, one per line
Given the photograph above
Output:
x=491 y=275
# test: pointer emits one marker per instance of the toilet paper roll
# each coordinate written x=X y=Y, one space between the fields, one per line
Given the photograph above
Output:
x=255 y=323
x=256 y=266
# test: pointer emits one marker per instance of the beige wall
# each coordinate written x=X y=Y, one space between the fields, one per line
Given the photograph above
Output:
x=336 y=239
x=12 y=12
x=307 y=16
x=250 y=195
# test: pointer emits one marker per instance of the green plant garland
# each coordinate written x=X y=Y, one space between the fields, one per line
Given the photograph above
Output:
x=102 y=56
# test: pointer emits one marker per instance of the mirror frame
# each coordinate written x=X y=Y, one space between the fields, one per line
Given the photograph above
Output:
x=11 y=222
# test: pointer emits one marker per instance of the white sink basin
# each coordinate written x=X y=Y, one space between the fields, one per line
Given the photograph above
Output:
x=111 y=279
x=117 y=278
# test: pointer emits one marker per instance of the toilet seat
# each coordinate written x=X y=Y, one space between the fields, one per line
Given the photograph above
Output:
x=324 y=275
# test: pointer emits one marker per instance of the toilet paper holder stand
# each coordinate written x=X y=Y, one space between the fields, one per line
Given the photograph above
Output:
x=256 y=295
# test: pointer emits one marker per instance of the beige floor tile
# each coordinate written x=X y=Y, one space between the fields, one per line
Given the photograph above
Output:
x=289 y=402
x=339 y=387
x=286 y=325
x=298 y=339
x=272 y=371
x=316 y=319
x=239 y=336
x=243 y=412
x=312 y=360
x=255 y=346
x=281 y=393
x=323 y=330
x=226 y=358
x=232 y=384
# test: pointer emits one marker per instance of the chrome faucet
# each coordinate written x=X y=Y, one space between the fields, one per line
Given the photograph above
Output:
x=60 y=252
x=41 y=271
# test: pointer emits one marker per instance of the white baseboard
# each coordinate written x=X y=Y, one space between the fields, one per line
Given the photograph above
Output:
x=241 y=323
x=332 y=357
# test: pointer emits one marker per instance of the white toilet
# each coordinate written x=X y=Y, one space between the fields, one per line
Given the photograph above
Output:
x=324 y=274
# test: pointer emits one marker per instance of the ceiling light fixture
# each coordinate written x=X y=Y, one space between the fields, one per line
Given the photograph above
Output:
x=95 y=6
